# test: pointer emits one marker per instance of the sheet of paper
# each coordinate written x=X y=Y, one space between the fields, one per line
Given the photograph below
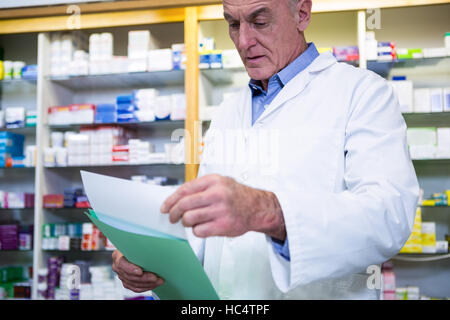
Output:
x=135 y=202
x=171 y=259
x=129 y=227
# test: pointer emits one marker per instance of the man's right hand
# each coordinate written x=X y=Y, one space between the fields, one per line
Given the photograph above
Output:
x=132 y=276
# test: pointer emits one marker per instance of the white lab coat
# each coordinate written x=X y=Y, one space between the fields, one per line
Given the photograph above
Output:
x=332 y=147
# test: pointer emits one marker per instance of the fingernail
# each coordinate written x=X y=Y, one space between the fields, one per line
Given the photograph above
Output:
x=136 y=271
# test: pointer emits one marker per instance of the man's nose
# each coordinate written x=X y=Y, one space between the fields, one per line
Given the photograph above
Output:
x=246 y=37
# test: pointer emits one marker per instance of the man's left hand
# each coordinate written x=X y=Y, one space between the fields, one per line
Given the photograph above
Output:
x=214 y=205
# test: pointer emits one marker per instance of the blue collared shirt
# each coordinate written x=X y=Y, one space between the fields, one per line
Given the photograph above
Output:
x=261 y=100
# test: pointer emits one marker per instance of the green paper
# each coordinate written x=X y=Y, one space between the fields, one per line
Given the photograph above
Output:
x=171 y=259
x=92 y=213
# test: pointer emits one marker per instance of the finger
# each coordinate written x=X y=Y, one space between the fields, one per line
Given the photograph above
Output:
x=147 y=277
x=187 y=203
x=131 y=287
x=116 y=255
x=142 y=284
x=198 y=216
x=127 y=267
x=191 y=187
x=209 y=229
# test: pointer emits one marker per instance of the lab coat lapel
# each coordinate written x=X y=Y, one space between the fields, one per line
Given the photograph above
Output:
x=299 y=83
x=245 y=112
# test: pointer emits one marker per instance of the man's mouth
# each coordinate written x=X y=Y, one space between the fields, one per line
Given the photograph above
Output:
x=254 y=59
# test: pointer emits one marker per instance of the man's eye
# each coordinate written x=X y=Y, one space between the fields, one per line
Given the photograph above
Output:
x=234 y=25
x=260 y=24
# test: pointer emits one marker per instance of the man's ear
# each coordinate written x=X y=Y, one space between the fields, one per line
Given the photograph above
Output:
x=303 y=14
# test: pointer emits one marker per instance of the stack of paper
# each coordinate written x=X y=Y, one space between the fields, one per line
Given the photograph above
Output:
x=128 y=214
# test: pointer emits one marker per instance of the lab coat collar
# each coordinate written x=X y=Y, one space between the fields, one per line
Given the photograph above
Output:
x=292 y=88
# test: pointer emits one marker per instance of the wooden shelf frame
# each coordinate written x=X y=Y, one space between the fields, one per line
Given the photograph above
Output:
x=141 y=12
x=215 y=12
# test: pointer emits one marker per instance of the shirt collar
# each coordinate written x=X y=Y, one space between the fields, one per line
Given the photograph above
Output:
x=294 y=68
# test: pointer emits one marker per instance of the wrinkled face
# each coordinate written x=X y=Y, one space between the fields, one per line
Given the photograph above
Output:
x=265 y=32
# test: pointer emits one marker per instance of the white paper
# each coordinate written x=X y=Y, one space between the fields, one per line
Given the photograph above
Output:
x=131 y=201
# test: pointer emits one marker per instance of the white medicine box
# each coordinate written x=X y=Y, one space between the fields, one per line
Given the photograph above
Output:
x=404 y=91
x=160 y=60
x=422 y=100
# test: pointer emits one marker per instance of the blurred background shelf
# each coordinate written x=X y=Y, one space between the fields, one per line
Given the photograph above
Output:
x=21 y=130
x=19 y=82
x=432 y=161
x=78 y=251
x=162 y=124
x=121 y=80
x=422 y=257
x=383 y=68
x=221 y=76
x=16 y=169
x=435 y=119
x=125 y=165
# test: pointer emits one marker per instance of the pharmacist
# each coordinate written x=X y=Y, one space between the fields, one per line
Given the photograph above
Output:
x=305 y=179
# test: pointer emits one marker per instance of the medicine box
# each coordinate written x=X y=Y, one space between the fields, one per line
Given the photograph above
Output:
x=159 y=60
x=437 y=100
x=422 y=136
x=422 y=100
x=428 y=237
x=447 y=99
x=404 y=91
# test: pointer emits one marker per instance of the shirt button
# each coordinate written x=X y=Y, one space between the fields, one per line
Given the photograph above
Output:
x=266 y=106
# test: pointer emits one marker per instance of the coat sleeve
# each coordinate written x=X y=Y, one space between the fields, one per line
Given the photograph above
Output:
x=332 y=235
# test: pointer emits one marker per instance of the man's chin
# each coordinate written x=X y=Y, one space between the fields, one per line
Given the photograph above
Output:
x=259 y=73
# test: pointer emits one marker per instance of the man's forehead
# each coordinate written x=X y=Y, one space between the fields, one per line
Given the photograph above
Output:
x=248 y=3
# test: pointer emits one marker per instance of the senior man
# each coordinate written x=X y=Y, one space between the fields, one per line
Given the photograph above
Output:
x=340 y=192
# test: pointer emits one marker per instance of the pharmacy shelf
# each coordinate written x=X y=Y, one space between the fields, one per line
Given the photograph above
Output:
x=65 y=209
x=431 y=161
x=16 y=169
x=165 y=165
x=21 y=130
x=166 y=124
x=422 y=257
x=13 y=82
x=384 y=67
x=221 y=76
x=121 y=80
x=436 y=207
x=435 y=119
x=78 y=251
x=4 y=210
